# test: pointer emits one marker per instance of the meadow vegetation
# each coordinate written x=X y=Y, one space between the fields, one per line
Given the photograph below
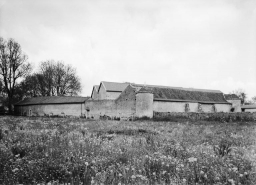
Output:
x=78 y=151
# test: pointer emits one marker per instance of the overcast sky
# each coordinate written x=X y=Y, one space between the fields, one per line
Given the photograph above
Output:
x=208 y=44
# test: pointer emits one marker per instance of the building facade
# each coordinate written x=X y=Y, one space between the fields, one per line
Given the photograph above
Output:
x=108 y=90
x=142 y=100
x=52 y=106
x=235 y=101
x=127 y=100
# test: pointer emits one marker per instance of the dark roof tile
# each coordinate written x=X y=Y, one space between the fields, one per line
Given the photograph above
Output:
x=52 y=100
x=253 y=106
x=231 y=97
x=162 y=93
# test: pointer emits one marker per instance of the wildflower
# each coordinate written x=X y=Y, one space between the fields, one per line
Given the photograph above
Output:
x=192 y=159
x=133 y=177
x=15 y=169
x=241 y=175
x=184 y=180
x=231 y=181
x=120 y=175
x=245 y=173
x=86 y=163
x=235 y=169
x=201 y=172
x=154 y=173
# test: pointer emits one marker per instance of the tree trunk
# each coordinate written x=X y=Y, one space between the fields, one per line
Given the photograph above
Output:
x=10 y=105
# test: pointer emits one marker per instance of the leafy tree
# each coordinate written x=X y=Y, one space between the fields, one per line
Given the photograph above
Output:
x=241 y=94
x=13 y=66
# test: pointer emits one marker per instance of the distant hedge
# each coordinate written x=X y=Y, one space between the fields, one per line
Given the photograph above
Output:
x=219 y=116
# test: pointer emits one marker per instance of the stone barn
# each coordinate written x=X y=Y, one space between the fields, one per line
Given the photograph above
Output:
x=142 y=100
x=52 y=106
x=108 y=90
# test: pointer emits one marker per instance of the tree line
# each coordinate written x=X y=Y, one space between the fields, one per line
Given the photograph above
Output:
x=17 y=81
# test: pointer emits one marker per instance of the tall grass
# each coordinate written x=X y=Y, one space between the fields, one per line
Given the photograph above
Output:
x=58 y=151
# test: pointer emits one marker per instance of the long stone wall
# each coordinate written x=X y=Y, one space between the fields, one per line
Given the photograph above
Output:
x=164 y=106
x=51 y=110
x=96 y=108
x=219 y=116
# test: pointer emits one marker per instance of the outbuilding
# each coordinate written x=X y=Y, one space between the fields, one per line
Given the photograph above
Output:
x=249 y=108
x=52 y=106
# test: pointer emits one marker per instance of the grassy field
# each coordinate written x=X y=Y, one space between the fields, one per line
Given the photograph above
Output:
x=78 y=151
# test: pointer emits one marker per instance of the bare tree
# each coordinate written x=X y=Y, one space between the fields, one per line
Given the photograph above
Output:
x=47 y=71
x=253 y=100
x=66 y=82
x=58 y=79
x=241 y=94
x=13 y=66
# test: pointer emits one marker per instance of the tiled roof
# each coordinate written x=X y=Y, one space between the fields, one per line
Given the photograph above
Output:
x=52 y=100
x=180 y=88
x=231 y=97
x=253 y=106
x=114 y=86
x=164 y=93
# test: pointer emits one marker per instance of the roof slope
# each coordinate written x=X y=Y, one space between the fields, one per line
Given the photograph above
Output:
x=114 y=86
x=52 y=100
x=253 y=106
x=95 y=88
x=164 y=93
x=231 y=97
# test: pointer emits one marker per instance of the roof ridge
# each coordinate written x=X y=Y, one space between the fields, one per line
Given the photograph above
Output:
x=116 y=82
x=180 y=88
